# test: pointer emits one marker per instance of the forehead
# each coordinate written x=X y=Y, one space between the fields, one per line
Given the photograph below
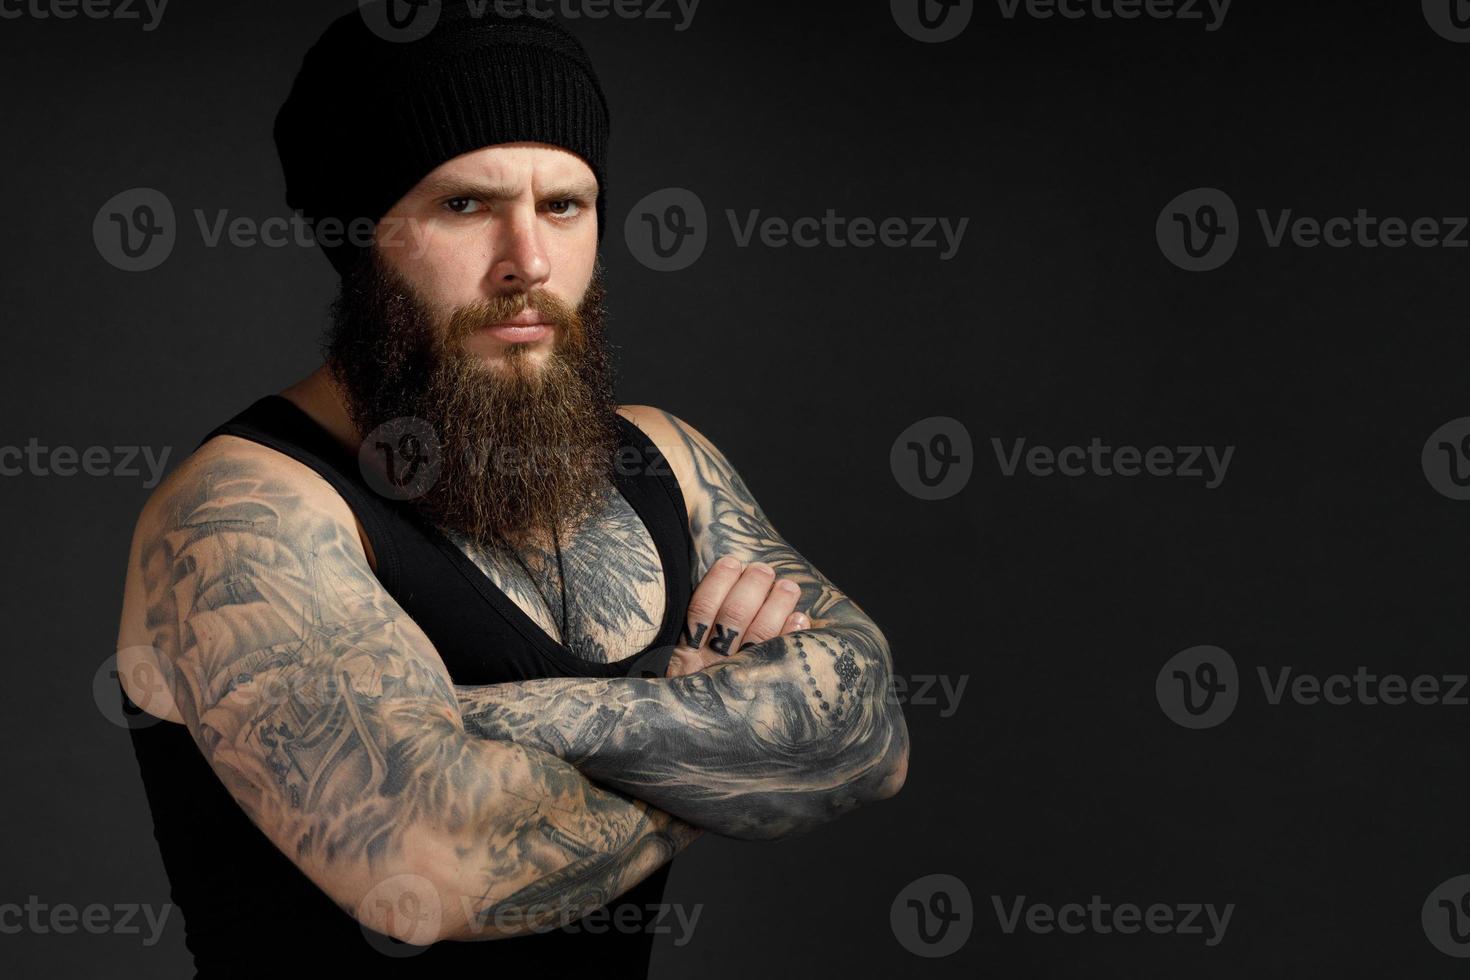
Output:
x=511 y=164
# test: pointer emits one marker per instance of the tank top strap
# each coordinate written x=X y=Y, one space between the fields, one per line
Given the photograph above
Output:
x=646 y=479
x=277 y=423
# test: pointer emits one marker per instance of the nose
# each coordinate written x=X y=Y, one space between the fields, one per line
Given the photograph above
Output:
x=520 y=260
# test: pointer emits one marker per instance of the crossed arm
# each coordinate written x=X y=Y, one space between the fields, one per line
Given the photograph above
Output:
x=327 y=714
x=775 y=739
x=330 y=718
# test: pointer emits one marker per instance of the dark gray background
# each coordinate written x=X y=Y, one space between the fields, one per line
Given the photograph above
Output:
x=1059 y=777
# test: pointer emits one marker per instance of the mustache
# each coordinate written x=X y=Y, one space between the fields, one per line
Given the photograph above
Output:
x=465 y=320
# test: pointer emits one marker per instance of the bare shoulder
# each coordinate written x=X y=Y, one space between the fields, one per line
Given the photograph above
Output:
x=693 y=458
x=226 y=460
x=238 y=471
x=227 y=483
x=687 y=449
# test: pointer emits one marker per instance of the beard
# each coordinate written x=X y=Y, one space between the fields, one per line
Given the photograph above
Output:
x=523 y=449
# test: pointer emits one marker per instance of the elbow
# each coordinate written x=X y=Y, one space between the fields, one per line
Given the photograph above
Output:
x=409 y=904
x=794 y=815
x=893 y=770
x=430 y=895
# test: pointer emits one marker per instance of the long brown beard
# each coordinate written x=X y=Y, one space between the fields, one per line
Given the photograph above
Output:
x=522 y=450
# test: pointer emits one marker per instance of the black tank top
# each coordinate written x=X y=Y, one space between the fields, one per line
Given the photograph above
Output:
x=248 y=911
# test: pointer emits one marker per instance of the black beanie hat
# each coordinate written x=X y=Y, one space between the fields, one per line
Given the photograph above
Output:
x=371 y=114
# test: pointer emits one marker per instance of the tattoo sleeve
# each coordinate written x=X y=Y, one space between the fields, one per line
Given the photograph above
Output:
x=782 y=737
x=328 y=715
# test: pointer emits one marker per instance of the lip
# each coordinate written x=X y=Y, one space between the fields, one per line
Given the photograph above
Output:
x=517 y=332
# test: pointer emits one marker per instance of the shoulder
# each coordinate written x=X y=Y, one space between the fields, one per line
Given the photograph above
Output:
x=680 y=442
x=683 y=447
x=233 y=482
x=231 y=502
x=234 y=468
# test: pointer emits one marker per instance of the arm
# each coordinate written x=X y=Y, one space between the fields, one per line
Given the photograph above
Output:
x=326 y=712
x=781 y=737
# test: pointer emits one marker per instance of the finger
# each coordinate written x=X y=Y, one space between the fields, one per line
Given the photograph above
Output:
x=687 y=661
x=708 y=597
x=778 y=607
x=796 y=621
x=742 y=603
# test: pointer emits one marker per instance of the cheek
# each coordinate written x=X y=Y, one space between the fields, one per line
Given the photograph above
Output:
x=445 y=272
x=572 y=266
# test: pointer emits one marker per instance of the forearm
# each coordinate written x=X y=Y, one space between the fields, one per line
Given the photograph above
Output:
x=331 y=720
x=782 y=737
x=420 y=829
x=544 y=848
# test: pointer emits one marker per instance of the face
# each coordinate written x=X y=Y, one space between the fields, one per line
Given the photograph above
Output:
x=494 y=235
x=480 y=314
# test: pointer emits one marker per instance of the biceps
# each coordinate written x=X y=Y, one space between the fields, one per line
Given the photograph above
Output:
x=727 y=520
x=304 y=684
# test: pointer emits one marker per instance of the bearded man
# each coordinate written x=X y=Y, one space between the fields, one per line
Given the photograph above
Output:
x=414 y=647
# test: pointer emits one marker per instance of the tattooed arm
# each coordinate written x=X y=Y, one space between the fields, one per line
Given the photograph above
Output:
x=775 y=739
x=329 y=716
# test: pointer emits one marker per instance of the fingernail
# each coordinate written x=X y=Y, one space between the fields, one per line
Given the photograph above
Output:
x=786 y=585
x=728 y=562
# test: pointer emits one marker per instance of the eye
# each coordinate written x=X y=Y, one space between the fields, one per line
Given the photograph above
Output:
x=462 y=205
x=565 y=208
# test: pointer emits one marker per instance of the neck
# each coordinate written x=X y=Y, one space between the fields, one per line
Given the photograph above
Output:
x=319 y=397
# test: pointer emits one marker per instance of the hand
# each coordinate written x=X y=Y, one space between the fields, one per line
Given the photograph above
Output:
x=733 y=606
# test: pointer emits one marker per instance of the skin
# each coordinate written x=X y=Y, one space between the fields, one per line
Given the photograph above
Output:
x=253 y=617
x=768 y=732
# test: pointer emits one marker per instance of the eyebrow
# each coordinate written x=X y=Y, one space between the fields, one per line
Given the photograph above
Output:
x=462 y=187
